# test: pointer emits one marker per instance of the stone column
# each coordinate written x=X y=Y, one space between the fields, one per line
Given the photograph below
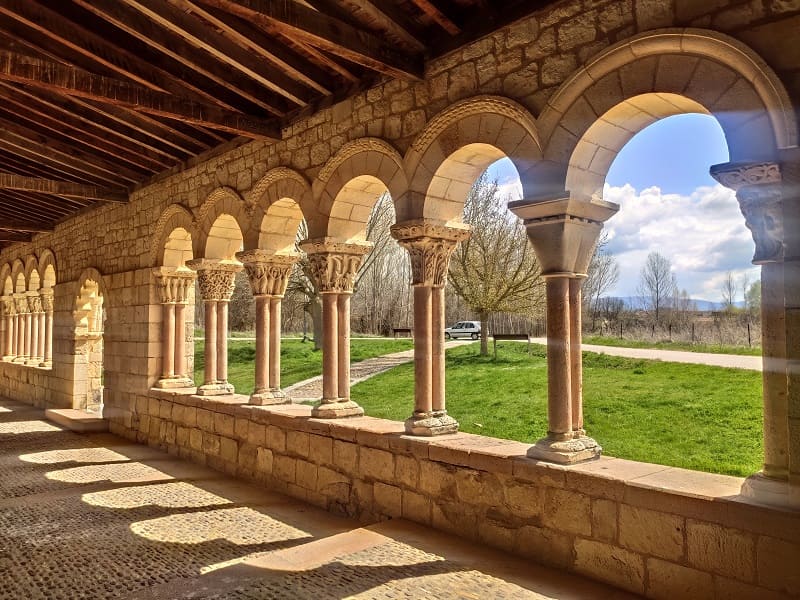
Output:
x=174 y=285
x=216 y=279
x=22 y=309
x=35 y=304
x=10 y=318
x=760 y=189
x=333 y=266
x=564 y=233
x=47 y=306
x=269 y=276
x=430 y=245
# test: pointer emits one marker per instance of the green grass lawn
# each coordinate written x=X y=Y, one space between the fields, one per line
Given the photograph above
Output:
x=298 y=359
x=687 y=346
x=691 y=416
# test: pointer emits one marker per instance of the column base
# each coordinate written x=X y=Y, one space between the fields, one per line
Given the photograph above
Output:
x=171 y=383
x=33 y=362
x=269 y=398
x=9 y=358
x=19 y=359
x=565 y=452
x=775 y=492
x=336 y=410
x=429 y=424
x=47 y=364
x=215 y=389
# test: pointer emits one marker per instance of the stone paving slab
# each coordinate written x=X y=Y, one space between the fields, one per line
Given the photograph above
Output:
x=95 y=516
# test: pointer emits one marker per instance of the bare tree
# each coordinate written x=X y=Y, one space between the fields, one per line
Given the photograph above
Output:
x=729 y=291
x=657 y=284
x=602 y=275
x=495 y=269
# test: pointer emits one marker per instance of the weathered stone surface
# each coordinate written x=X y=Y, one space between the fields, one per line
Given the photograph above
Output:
x=611 y=564
x=651 y=532
x=720 y=550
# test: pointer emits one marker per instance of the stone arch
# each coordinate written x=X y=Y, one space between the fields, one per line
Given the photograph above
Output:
x=223 y=225
x=5 y=279
x=89 y=318
x=349 y=184
x=167 y=247
x=47 y=268
x=458 y=144
x=33 y=278
x=18 y=276
x=652 y=76
x=281 y=199
x=89 y=302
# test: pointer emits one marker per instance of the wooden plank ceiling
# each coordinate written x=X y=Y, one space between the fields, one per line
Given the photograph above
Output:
x=97 y=96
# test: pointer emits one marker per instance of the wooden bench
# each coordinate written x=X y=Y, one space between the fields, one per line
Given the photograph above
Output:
x=500 y=337
x=404 y=331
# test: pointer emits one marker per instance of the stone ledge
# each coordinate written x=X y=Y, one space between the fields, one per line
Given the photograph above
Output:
x=77 y=420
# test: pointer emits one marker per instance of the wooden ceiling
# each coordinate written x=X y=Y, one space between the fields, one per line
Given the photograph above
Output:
x=97 y=96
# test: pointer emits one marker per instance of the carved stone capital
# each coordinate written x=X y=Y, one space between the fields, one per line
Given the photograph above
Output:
x=35 y=302
x=430 y=246
x=758 y=189
x=9 y=306
x=334 y=264
x=21 y=302
x=268 y=272
x=47 y=296
x=174 y=284
x=216 y=278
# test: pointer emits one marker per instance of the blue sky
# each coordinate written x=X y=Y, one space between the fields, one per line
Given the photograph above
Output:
x=669 y=203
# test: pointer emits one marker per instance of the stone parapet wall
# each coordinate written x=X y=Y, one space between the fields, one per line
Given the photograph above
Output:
x=658 y=531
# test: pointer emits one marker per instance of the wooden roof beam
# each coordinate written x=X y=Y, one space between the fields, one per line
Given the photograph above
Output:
x=9 y=181
x=76 y=82
x=321 y=31
x=438 y=16
x=23 y=226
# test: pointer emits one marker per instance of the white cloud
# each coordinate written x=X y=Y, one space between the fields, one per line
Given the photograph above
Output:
x=703 y=234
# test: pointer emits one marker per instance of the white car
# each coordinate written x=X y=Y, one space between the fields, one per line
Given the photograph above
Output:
x=470 y=329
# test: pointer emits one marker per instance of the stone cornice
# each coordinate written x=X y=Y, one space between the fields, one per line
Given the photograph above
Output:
x=738 y=175
x=426 y=228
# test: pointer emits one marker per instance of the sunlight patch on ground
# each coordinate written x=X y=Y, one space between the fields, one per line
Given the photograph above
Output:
x=240 y=526
x=117 y=473
x=166 y=495
x=84 y=455
x=27 y=427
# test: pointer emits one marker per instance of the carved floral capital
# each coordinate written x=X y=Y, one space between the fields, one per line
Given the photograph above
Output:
x=758 y=190
x=216 y=278
x=333 y=264
x=35 y=302
x=46 y=295
x=268 y=272
x=174 y=285
x=9 y=306
x=430 y=247
x=21 y=302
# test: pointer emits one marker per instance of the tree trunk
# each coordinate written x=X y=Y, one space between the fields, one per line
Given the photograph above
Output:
x=315 y=310
x=484 y=317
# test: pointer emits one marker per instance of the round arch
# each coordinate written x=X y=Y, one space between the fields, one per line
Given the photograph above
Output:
x=652 y=76
x=89 y=301
x=281 y=200
x=459 y=143
x=47 y=268
x=18 y=276
x=168 y=246
x=349 y=185
x=6 y=280
x=33 y=278
x=222 y=222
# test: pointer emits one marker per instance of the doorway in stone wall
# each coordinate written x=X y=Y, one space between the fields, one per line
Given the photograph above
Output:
x=90 y=320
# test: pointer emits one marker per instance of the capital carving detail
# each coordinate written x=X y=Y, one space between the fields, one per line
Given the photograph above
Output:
x=9 y=306
x=46 y=295
x=21 y=301
x=174 y=286
x=334 y=265
x=216 y=279
x=430 y=247
x=758 y=190
x=268 y=273
x=35 y=304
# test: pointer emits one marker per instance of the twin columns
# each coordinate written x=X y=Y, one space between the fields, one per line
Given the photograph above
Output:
x=28 y=328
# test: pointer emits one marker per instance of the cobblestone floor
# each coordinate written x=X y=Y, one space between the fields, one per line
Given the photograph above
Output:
x=93 y=516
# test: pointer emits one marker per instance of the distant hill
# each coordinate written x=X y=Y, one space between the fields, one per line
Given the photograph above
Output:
x=638 y=302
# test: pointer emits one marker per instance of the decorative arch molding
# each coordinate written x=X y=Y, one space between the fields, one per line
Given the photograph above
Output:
x=47 y=258
x=372 y=161
x=221 y=201
x=174 y=216
x=31 y=268
x=17 y=269
x=649 y=77
x=474 y=132
x=5 y=272
x=280 y=200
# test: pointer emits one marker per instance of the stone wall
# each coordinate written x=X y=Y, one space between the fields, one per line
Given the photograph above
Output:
x=658 y=531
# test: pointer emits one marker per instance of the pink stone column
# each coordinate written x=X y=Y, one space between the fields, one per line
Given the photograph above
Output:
x=222 y=342
x=33 y=358
x=168 y=340
x=20 y=337
x=559 y=384
x=423 y=351
x=181 y=369
x=263 y=323
x=275 y=345
x=437 y=351
x=330 y=348
x=11 y=334
x=28 y=335
x=210 y=351
x=575 y=355
x=343 y=350
x=48 y=337
x=42 y=338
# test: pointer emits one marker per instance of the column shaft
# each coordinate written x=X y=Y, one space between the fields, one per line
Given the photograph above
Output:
x=222 y=341
x=343 y=351
x=8 y=350
x=330 y=343
x=34 y=338
x=41 y=337
x=275 y=343
x=48 y=337
x=262 y=344
x=181 y=369
x=437 y=349
x=575 y=358
x=559 y=385
x=210 y=371
x=168 y=340
x=423 y=350
x=27 y=347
